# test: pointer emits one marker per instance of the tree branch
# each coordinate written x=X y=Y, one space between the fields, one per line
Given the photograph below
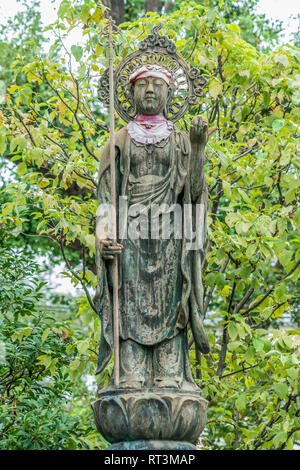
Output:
x=256 y=304
x=77 y=277
x=211 y=290
x=225 y=337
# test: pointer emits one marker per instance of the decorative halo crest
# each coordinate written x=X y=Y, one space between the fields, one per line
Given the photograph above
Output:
x=186 y=87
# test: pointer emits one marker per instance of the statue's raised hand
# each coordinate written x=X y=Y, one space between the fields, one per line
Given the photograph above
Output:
x=199 y=130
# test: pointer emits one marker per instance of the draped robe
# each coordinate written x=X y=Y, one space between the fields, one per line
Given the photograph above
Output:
x=160 y=285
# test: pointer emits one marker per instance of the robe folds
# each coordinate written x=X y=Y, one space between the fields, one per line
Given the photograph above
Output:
x=160 y=284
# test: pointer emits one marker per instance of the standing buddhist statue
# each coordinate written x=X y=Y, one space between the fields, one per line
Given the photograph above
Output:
x=160 y=215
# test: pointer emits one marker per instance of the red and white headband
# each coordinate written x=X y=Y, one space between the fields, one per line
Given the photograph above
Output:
x=151 y=71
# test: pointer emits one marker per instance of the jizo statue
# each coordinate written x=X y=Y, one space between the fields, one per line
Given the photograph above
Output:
x=161 y=204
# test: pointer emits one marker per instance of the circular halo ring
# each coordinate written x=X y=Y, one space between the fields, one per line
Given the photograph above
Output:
x=186 y=86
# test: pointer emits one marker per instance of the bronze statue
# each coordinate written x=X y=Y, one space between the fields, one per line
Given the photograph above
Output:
x=159 y=177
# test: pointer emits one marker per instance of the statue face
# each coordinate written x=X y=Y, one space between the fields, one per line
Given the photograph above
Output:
x=150 y=95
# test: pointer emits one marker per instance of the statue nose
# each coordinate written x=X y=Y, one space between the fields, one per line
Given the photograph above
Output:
x=149 y=88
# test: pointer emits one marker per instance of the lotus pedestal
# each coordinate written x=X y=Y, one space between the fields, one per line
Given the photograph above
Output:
x=163 y=419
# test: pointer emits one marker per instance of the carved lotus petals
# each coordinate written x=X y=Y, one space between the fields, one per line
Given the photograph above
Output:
x=127 y=415
x=145 y=423
x=113 y=418
x=189 y=425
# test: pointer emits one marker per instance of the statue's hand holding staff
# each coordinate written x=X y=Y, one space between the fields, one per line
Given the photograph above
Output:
x=109 y=249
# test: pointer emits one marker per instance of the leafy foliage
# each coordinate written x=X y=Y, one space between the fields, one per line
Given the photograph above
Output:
x=256 y=29
x=26 y=38
x=38 y=395
x=251 y=271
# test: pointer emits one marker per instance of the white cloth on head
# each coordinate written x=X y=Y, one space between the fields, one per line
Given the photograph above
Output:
x=155 y=71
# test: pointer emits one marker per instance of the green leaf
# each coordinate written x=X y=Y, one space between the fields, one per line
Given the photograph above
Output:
x=293 y=373
x=22 y=168
x=278 y=124
x=281 y=389
x=266 y=99
x=226 y=188
x=8 y=208
x=282 y=59
x=215 y=88
x=280 y=438
x=70 y=348
x=241 y=330
x=75 y=364
x=290 y=196
x=245 y=272
x=2 y=144
x=45 y=335
x=241 y=403
x=232 y=27
x=289 y=444
x=288 y=341
x=210 y=279
x=26 y=94
x=83 y=346
x=258 y=344
x=244 y=195
x=279 y=293
x=251 y=250
x=44 y=183
x=77 y=52
x=237 y=114
x=13 y=144
x=232 y=330
x=285 y=257
x=250 y=353
x=45 y=360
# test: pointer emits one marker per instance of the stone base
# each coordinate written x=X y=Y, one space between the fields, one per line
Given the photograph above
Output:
x=152 y=445
x=130 y=415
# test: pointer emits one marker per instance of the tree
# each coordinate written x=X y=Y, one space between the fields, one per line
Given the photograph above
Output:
x=26 y=38
x=255 y=28
x=38 y=396
x=252 y=258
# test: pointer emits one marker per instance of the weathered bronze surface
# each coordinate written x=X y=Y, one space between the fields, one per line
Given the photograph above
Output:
x=151 y=414
x=160 y=287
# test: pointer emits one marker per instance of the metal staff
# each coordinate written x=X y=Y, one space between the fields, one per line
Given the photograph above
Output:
x=113 y=201
x=108 y=30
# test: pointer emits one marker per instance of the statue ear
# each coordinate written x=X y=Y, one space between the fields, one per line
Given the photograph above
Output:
x=169 y=97
x=131 y=98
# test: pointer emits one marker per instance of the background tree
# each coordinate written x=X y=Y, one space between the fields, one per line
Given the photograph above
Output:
x=255 y=28
x=20 y=35
x=252 y=257
x=39 y=393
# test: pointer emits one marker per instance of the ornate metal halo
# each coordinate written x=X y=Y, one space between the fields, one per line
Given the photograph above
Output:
x=186 y=87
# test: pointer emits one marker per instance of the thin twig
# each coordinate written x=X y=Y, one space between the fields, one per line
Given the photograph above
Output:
x=77 y=277
x=256 y=304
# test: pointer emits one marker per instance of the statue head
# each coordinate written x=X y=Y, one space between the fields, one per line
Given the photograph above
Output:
x=151 y=85
x=172 y=100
